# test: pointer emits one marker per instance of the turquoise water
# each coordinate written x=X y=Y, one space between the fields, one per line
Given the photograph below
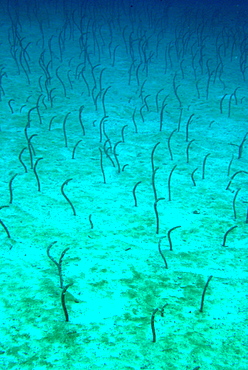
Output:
x=122 y=125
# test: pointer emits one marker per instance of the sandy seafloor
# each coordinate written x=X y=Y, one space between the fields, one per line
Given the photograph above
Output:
x=118 y=275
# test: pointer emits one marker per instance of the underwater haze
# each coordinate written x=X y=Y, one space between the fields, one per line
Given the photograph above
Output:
x=123 y=185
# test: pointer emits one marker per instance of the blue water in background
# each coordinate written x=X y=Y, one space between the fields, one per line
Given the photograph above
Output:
x=123 y=132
